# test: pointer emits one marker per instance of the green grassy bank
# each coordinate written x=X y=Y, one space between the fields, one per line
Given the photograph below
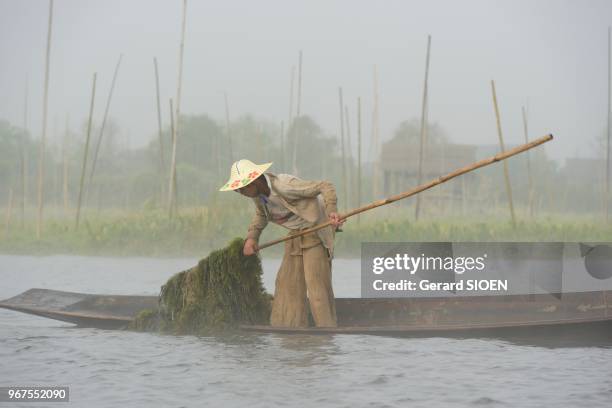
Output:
x=195 y=232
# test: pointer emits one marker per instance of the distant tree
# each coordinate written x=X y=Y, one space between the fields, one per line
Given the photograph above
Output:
x=197 y=142
x=11 y=141
x=252 y=139
x=316 y=152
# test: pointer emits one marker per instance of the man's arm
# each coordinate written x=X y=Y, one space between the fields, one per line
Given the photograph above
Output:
x=258 y=223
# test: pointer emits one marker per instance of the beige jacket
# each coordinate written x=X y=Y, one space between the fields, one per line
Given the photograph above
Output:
x=311 y=200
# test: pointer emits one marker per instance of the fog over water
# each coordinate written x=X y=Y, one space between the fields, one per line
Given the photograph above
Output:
x=548 y=55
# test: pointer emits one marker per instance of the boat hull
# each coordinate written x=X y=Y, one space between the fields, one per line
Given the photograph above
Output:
x=477 y=316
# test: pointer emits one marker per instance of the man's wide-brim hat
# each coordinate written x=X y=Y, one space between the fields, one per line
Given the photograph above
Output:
x=243 y=173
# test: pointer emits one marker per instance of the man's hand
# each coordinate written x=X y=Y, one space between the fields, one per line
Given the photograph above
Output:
x=250 y=247
x=335 y=220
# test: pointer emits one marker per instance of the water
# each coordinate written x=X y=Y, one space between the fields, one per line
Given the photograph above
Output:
x=116 y=368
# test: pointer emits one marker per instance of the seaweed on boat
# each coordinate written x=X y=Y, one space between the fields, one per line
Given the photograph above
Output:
x=222 y=291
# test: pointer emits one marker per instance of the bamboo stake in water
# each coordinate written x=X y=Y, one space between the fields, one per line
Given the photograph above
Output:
x=375 y=138
x=342 y=149
x=351 y=178
x=41 y=158
x=87 y=138
x=172 y=205
x=176 y=131
x=423 y=128
x=65 y=166
x=297 y=129
x=57 y=170
x=282 y=144
x=502 y=147
x=162 y=164
x=290 y=119
x=529 y=174
x=228 y=129
x=259 y=142
x=607 y=199
x=432 y=183
x=9 y=210
x=217 y=152
x=23 y=181
x=358 y=154
x=291 y=86
x=101 y=133
x=299 y=87
x=24 y=159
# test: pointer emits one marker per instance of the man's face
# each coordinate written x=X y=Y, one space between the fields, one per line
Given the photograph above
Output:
x=250 y=190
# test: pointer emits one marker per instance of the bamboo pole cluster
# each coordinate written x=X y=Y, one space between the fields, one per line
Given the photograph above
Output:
x=351 y=184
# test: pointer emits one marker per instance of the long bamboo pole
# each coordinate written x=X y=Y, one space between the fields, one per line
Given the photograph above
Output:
x=56 y=169
x=9 y=210
x=23 y=182
x=162 y=164
x=228 y=130
x=259 y=142
x=217 y=152
x=87 y=138
x=299 y=87
x=296 y=137
x=41 y=158
x=65 y=166
x=290 y=118
x=442 y=179
x=417 y=208
x=529 y=173
x=351 y=177
x=503 y=148
x=173 y=204
x=607 y=199
x=342 y=149
x=282 y=144
x=358 y=154
x=24 y=159
x=176 y=131
x=101 y=132
x=375 y=138
x=291 y=86
x=296 y=130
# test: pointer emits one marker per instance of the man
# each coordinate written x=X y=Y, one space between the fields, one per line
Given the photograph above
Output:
x=306 y=266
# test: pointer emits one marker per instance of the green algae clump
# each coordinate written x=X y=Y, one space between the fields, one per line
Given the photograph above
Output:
x=224 y=290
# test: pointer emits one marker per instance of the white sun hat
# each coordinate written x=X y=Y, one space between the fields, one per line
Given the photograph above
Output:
x=243 y=173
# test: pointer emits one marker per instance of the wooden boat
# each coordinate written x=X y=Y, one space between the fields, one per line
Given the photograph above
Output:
x=86 y=310
x=583 y=314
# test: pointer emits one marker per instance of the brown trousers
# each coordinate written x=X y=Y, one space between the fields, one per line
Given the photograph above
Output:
x=304 y=276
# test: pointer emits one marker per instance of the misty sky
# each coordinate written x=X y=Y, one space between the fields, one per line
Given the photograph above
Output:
x=549 y=55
